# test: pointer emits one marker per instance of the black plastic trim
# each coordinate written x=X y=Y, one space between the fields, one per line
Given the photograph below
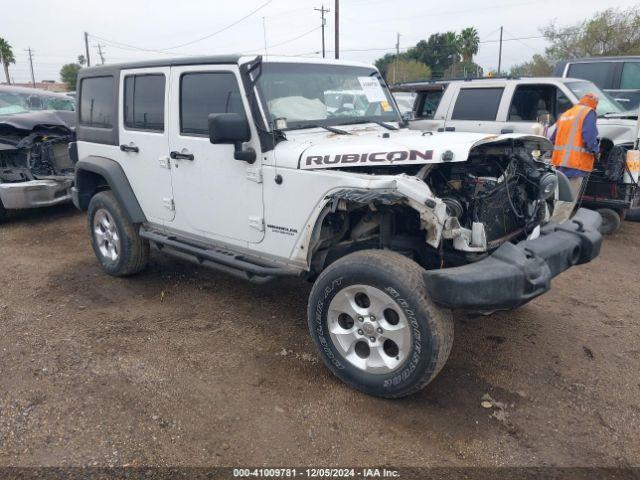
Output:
x=88 y=173
x=516 y=273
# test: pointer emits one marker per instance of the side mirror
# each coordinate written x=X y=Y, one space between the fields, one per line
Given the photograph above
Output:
x=234 y=129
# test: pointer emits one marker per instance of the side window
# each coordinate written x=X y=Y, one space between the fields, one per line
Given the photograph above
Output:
x=599 y=73
x=630 y=76
x=430 y=102
x=477 y=104
x=144 y=102
x=96 y=102
x=204 y=93
x=529 y=102
x=562 y=104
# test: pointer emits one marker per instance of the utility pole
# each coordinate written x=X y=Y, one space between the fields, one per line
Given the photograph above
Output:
x=33 y=78
x=337 y=27
x=324 y=22
x=395 y=63
x=100 y=53
x=86 y=48
x=500 y=52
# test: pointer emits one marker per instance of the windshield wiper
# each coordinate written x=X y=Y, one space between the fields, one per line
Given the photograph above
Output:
x=339 y=131
x=377 y=122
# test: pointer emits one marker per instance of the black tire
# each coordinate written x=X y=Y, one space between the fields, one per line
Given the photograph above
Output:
x=633 y=215
x=3 y=212
x=611 y=221
x=401 y=279
x=132 y=254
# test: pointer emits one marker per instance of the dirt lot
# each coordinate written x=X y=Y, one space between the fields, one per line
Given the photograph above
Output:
x=185 y=366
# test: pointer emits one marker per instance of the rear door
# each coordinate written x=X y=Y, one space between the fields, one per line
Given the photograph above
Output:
x=475 y=109
x=530 y=103
x=144 y=139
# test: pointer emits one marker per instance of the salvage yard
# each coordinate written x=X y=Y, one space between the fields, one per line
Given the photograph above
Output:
x=186 y=366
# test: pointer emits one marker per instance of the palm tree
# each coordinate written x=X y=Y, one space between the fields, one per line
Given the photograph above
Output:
x=6 y=57
x=469 y=44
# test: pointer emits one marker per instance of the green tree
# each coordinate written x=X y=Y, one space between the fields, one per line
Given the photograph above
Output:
x=69 y=74
x=6 y=57
x=408 y=71
x=464 y=70
x=439 y=52
x=538 y=66
x=469 y=42
x=82 y=60
x=609 y=32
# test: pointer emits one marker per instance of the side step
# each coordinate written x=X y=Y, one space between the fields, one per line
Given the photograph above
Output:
x=216 y=257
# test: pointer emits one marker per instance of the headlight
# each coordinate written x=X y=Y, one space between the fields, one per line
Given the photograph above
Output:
x=547 y=185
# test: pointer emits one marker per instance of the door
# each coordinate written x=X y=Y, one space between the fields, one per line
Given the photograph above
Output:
x=476 y=109
x=144 y=140
x=216 y=196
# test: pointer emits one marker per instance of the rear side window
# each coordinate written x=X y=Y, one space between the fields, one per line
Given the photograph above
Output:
x=599 y=73
x=630 y=76
x=204 y=93
x=477 y=104
x=97 y=102
x=144 y=102
x=530 y=102
x=430 y=102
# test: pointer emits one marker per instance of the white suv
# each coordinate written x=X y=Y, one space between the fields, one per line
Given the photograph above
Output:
x=242 y=164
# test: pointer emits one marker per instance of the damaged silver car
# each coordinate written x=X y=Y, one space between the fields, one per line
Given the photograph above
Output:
x=35 y=167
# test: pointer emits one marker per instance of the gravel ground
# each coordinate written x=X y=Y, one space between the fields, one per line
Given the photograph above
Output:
x=185 y=366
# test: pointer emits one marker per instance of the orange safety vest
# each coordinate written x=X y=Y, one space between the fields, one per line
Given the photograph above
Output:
x=569 y=150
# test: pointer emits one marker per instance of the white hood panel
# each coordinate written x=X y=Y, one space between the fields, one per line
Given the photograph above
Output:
x=313 y=150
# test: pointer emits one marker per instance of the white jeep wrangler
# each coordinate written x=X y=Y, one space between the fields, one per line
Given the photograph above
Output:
x=239 y=164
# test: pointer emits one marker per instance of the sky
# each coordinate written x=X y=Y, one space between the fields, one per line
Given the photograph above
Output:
x=139 y=29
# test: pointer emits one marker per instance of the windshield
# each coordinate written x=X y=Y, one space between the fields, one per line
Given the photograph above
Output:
x=19 y=102
x=606 y=104
x=308 y=95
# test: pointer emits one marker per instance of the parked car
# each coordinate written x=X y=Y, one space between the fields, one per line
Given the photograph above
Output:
x=237 y=163
x=35 y=167
x=617 y=76
x=21 y=99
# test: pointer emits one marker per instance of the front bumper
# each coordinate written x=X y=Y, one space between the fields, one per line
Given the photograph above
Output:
x=35 y=193
x=515 y=274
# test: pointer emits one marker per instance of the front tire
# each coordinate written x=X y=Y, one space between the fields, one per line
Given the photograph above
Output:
x=374 y=326
x=115 y=240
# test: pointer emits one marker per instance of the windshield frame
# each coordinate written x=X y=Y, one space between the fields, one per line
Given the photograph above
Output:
x=337 y=121
x=592 y=87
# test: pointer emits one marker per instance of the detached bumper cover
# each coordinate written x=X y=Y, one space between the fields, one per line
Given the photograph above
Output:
x=35 y=193
x=515 y=274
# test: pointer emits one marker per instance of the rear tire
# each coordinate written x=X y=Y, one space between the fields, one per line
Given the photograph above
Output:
x=633 y=215
x=115 y=240
x=611 y=221
x=374 y=325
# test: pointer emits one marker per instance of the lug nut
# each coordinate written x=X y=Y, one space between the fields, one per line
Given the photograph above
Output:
x=379 y=329
x=372 y=318
x=361 y=319
x=360 y=332
x=373 y=339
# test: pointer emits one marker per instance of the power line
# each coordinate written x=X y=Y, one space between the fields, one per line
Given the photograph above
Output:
x=314 y=29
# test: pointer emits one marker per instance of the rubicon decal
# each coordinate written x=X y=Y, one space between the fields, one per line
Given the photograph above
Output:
x=396 y=156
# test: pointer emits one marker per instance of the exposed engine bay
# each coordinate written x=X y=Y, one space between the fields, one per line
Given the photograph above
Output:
x=34 y=146
x=503 y=192
x=35 y=167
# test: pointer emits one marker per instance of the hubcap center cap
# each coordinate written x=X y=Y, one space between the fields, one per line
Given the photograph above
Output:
x=368 y=328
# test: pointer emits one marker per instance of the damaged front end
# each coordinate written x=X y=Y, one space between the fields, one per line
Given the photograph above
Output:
x=35 y=167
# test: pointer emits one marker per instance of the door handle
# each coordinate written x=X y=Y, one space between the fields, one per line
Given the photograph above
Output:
x=181 y=156
x=129 y=148
x=449 y=129
x=506 y=130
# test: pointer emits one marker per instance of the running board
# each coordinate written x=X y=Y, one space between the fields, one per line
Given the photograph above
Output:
x=215 y=257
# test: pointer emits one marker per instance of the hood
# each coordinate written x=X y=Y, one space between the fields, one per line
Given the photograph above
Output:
x=370 y=147
x=41 y=119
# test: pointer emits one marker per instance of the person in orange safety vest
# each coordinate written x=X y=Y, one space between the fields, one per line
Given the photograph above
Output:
x=575 y=140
